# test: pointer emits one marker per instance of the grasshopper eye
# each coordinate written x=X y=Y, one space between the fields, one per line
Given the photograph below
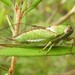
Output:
x=68 y=30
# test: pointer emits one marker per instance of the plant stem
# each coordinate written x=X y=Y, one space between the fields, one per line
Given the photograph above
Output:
x=19 y=16
x=62 y=19
x=12 y=66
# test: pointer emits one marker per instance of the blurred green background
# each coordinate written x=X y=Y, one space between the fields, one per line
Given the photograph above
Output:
x=45 y=14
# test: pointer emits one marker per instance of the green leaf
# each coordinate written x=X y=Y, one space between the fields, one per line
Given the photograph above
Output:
x=7 y=2
x=33 y=5
x=24 y=5
x=18 y=1
x=2 y=15
x=35 y=51
x=6 y=74
x=3 y=68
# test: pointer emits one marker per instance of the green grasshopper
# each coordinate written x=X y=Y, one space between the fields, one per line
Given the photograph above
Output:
x=49 y=36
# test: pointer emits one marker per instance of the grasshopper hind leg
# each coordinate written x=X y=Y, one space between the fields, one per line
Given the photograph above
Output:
x=46 y=46
x=51 y=45
x=49 y=49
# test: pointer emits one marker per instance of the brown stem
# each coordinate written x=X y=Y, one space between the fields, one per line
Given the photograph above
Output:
x=16 y=32
x=62 y=19
x=18 y=19
x=69 y=72
x=12 y=67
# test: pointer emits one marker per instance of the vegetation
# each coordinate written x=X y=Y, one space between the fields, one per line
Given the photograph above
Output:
x=17 y=16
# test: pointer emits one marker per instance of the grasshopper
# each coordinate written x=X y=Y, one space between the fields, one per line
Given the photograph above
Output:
x=49 y=36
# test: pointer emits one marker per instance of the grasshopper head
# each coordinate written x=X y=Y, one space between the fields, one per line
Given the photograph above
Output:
x=68 y=30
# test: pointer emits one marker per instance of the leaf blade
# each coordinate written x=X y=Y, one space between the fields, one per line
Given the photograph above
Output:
x=7 y=2
x=34 y=51
x=2 y=15
x=32 y=6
